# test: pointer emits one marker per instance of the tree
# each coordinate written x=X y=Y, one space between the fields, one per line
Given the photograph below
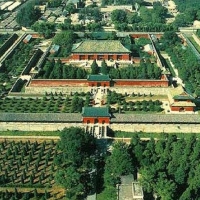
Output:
x=65 y=39
x=118 y=16
x=104 y=67
x=44 y=28
x=28 y=15
x=117 y=164
x=75 y=162
x=70 y=8
x=94 y=68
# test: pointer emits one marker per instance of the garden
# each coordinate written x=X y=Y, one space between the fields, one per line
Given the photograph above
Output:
x=27 y=170
x=50 y=103
x=123 y=103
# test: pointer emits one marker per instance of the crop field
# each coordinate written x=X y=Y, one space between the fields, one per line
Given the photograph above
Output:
x=27 y=170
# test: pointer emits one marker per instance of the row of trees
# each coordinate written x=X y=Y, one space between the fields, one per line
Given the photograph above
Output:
x=146 y=70
x=57 y=70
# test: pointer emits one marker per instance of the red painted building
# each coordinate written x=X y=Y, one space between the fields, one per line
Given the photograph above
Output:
x=100 y=50
x=183 y=103
x=96 y=120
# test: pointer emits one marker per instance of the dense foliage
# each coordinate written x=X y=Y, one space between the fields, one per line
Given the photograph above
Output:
x=65 y=40
x=90 y=13
x=75 y=162
x=169 y=168
x=54 y=3
x=146 y=20
x=187 y=4
x=184 y=60
x=44 y=28
x=28 y=15
x=117 y=164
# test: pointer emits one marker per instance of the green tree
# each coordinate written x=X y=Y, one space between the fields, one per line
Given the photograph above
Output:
x=118 y=16
x=28 y=15
x=75 y=162
x=94 y=68
x=44 y=28
x=104 y=67
x=117 y=164
x=70 y=8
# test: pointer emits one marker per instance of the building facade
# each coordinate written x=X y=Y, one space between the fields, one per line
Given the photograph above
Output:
x=100 y=50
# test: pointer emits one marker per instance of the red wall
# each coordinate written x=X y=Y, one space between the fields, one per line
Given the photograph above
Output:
x=37 y=35
x=140 y=35
x=58 y=83
x=177 y=108
x=102 y=83
x=92 y=120
x=105 y=56
x=142 y=83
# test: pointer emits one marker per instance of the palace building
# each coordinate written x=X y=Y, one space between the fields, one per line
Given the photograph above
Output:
x=100 y=50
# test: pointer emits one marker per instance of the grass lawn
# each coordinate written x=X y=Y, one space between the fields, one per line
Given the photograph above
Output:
x=147 y=98
x=121 y=134
x=194 y=43
x=30 y=133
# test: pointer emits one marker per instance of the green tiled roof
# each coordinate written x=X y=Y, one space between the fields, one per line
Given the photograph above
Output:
x=183 y=96
x=95 y=112
x=99 y=46
x=98 y=78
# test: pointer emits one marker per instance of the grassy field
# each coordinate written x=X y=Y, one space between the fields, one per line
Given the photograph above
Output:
x=121 y=134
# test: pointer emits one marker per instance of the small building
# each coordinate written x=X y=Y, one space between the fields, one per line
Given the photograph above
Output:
x=100 y=50
x=96 y=120
x=54 y=49
x=27 y=38
x=183 y=103
x=129 y=189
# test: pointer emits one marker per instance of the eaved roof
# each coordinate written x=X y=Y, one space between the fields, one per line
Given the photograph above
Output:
x=55 y=48
x=95 y=112
x=183 y=96
x=98 y=78
x=99 y=46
